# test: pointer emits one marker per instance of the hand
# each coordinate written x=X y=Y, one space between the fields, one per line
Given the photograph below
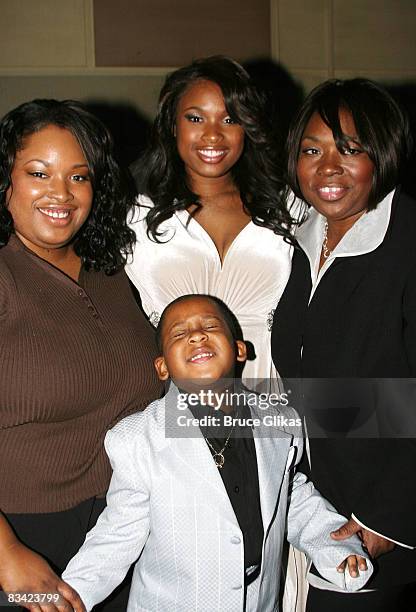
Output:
x=24 y=571
x=355 y=563
x=375 y=545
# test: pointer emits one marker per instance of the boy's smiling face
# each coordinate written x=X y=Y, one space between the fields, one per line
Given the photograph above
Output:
x=198 y=346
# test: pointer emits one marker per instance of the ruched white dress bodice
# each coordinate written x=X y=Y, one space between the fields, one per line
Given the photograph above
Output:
x=250 y=280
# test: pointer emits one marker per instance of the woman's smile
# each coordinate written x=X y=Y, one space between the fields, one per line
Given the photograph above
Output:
x=211 y=156
x=337 y=183
x=50 y=196
x=332 y=193
x=209 y=142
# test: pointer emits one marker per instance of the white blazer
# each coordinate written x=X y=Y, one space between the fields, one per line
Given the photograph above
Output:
x=168 y=509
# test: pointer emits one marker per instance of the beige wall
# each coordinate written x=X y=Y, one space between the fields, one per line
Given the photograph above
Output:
x=47 y=48
x=320 y=39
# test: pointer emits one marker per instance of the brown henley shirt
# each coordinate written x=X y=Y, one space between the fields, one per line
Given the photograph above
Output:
x=74 y=359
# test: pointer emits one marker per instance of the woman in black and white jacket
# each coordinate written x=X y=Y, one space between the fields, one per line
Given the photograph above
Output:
x=349 y=311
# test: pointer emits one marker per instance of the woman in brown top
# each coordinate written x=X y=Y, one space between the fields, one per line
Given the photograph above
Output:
x=75 y=351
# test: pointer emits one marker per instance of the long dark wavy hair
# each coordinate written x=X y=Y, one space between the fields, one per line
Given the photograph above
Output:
x=382 y=128
x=104 y=241
x=160 y=172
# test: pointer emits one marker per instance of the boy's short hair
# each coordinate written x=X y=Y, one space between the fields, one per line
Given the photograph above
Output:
x=223 y=309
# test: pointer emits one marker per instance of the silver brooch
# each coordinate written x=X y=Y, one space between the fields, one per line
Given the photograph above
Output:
x=269 y=320
x=154 y=318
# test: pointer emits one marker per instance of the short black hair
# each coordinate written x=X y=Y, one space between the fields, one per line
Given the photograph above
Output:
x=228 y=317
x=381 y=126
x=105 y=240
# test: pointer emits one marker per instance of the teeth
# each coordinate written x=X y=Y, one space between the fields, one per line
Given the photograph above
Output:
x=211 y=153
x=331 y=189
x=55 y=214
x=200 y=356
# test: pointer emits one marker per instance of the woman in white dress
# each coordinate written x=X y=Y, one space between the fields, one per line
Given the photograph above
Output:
x=212 y=218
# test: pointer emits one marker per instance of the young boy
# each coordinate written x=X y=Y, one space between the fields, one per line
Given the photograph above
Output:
x=206 y=516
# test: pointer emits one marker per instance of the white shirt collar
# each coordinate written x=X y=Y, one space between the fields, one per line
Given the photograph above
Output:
x=364 y=236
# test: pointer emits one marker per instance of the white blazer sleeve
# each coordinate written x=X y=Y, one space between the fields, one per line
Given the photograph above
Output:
x=310 y=520
x=121 y=530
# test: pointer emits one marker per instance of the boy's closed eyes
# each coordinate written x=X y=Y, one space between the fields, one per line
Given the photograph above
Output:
x=197 y=342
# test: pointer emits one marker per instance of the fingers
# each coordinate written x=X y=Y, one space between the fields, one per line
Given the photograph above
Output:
x=362 y=563
x=61 y=605
x=64 y=605
x=56 y=602
x=355 y=564
x=71 y=596
x=38 y=607
x=59 y=598
x=42 y=608
x=352 y=566
x=45 y=607
x=375 y=544
x=346 y=531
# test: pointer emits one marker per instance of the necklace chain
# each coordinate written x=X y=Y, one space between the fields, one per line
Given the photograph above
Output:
x=218 y=456
x=325 y=251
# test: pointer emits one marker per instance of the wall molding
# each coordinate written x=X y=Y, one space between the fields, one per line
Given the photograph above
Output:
x=84 y=71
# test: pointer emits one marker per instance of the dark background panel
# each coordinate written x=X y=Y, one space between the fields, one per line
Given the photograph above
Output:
x=171 y=33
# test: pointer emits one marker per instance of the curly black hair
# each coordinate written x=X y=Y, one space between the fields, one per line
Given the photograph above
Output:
x=382 y=128
x=104 y=241
x=160 y=172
